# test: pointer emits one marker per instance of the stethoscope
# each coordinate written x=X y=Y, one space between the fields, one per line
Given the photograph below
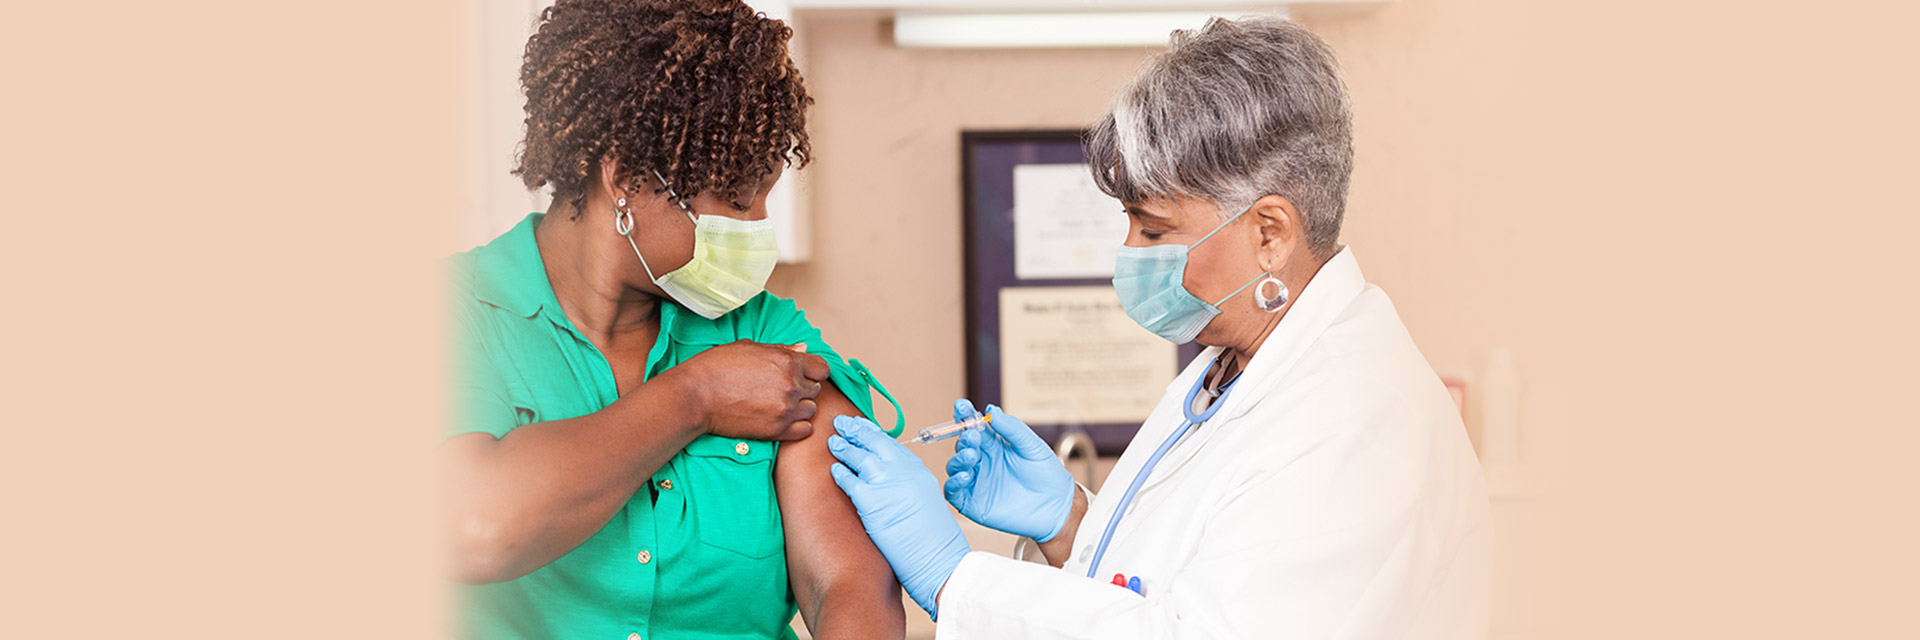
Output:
x=1139 y=479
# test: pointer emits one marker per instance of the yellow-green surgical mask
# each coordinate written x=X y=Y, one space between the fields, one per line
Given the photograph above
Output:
x=732 y=260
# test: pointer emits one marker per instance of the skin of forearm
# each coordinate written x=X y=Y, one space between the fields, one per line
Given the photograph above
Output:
x=844 y=587
x=523 y=500
x=1057 y=549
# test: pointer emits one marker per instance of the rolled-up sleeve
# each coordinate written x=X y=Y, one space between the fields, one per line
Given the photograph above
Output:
x=780 y=321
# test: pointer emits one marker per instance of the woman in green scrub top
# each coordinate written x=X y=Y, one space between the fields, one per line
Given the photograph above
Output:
x=640 y=442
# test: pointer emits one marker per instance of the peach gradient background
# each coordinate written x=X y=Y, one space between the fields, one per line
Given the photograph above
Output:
x=1695 y=218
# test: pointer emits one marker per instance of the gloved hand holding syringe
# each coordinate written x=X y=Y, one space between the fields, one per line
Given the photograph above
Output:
x=950 y=429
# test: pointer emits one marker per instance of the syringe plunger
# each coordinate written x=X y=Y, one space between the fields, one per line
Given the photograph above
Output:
x=946 y=430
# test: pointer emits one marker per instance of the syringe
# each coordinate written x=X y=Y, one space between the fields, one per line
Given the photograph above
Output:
x=946 y=430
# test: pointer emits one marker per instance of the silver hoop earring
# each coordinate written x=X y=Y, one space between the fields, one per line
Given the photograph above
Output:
x=1272 y=303
x=622 y=219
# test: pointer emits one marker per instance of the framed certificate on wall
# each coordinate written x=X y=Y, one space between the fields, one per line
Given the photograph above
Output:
x=1047 y=339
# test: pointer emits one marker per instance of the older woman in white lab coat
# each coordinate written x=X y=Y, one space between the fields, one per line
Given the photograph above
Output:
x=1306 y=476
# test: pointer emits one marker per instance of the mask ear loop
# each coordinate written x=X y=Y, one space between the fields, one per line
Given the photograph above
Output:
x=676 y=197
x=623 y=223
x=1262 y=301
x=1243 y=287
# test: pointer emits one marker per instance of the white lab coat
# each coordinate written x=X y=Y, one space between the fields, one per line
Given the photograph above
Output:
x=1334 y=495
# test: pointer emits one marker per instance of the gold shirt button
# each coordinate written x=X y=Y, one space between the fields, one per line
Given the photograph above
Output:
x=645 y=557
x=666 y=484
x=740 y=448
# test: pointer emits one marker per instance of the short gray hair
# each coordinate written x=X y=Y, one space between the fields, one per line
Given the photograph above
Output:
x=1230 y=113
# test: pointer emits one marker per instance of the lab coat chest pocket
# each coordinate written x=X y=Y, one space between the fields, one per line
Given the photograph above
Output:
x=729 y=485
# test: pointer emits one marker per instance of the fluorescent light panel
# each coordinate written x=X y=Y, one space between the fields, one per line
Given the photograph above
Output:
x=1047 y=30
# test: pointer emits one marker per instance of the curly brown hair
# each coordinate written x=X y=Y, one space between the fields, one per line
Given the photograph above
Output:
x=702 y=91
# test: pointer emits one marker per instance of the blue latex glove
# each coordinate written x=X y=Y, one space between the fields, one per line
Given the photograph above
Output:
x=899 y=503
x=1007 y=478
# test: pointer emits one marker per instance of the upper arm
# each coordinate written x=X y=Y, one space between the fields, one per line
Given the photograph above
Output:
x=844 y=587
x=827 y=547
x=818 y=517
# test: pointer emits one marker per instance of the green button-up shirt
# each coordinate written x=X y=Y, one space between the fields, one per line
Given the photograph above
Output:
x=699 y=553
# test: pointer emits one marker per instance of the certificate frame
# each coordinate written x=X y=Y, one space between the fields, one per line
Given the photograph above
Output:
x=987 y=166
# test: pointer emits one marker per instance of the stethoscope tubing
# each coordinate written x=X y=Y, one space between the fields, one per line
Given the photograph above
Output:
x=1192 y=419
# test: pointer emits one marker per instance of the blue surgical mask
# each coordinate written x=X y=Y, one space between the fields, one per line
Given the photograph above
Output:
x=1149 y=281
